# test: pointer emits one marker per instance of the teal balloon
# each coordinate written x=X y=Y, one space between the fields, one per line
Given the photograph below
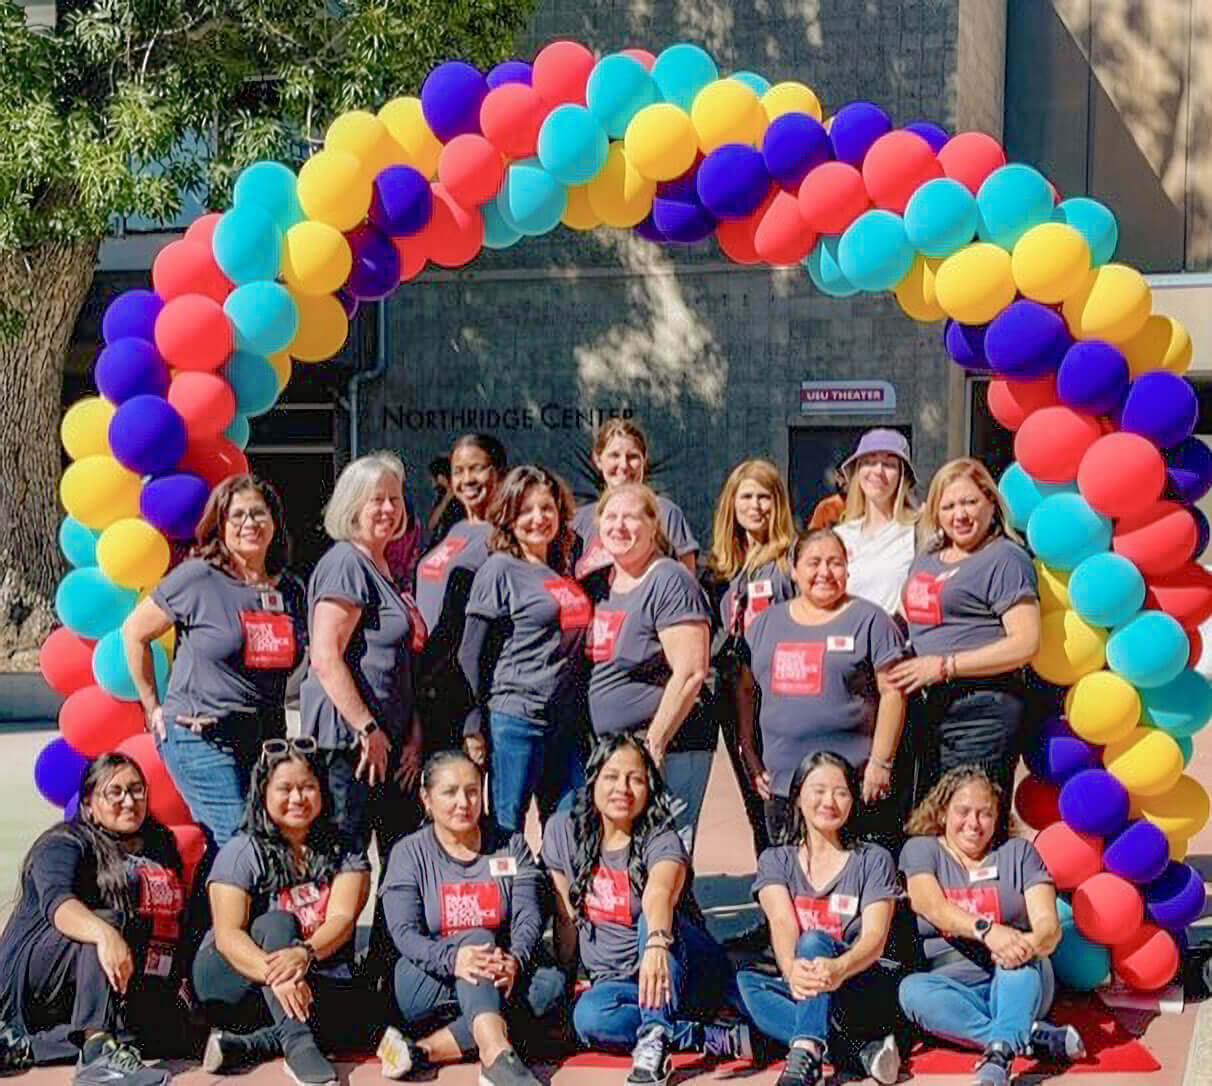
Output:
x=1106 y=590
x=1179 y=708
x=1022 y=493
x=531 y=199
x=618 y=88
x=78 y=543
x=498 y=234
x=253 y=381
x=874 y=252
x=247 y=245
x=1187 y=746
x=263 y=316
x=759 y=84
x=1064 y=531
x=941 y=217
x=112 y=674
x=572 y=145
x=274 y=189
x=1010 y=201
x=1095 y=222
x=89 y=604
x=238 y=431
x=1077 y=962
x=825 y=271
x=1149 y=650
x=681 y=71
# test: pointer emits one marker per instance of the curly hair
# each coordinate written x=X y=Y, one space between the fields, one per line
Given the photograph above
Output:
x=929 y=818
x=507 y=505
x=795 y=831
x=209 y=544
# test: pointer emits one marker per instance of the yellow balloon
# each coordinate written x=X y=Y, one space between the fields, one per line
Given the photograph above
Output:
x=1053 y=587
x=85 y=427
x=1178 y=847
x=1050 y=262
x=1147 y=762
x=334 y=189
x=323 y=327
x=131 y=553
x=1162 y=344
x=975 y=284
x=282 y=367
x=365 y=137
x=168 y=642
x=1102 y=707
x=790 y=97
x=1180 y=812
x=661 y=142
x=97 y=490
x=915 y=294
x=578 y=211
x=406 y=123
x=1112 y=304
x=316 y=258
x=620 y=195
x=1069 y=647
x=727 y=111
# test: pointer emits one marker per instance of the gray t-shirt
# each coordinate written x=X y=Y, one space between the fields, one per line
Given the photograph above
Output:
x=541 y=620
x=379 y=654
x=236 y=644
x=592 y=556
x=607 y=930
x=758 y=590
x=958 y=606
x=430 y=899
x=817 y=683
x=867 y=876
x=995 y=890
x=444 y=574
x=624 y=647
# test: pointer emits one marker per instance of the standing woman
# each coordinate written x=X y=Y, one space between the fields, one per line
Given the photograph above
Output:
x=972 y=606
x=522 y=651
x=620 y=453
x=879 y=524
x=91 y=945
x=240 y=623
x=648 y=647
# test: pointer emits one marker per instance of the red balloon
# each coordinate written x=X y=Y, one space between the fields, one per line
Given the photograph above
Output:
x=192 y=333
x=737 y=236
x=895 y=165
x=1051 y=442
x=1108 y=909
x=832 y=196
x=1197 y=647
x=970 y=157
x=66 y=661
x=471 y=169
x=1010 y=402
x=454 y=233
x=191 y=844
x=412 y=255
x=1146 y=961
x=560 y=72
x=642 y=55
x=1036 y=802
x=214 y=460
x=94 y=723
x=783 y=237
x=188 y=267
x=202 y=231
x=510 y=118
x=205 y=401
x=1121 y=474
x=1158 y=540
x=1184 y=594
x=163 y=800
x=1069 y=856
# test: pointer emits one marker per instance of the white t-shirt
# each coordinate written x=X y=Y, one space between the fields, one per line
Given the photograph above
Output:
x=879 y=564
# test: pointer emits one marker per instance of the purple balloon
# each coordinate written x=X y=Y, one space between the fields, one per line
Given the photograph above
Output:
x=509 y=71
x=793 y=145
x=1176 y=898
x=682 y=221
x=684 y=187
x=733 y=181
x=1093 y=801
x=348 y=302
x=451 y=97
x=1160 y=406
x=1189 y=467
x=647 y=229
x=932 y=133
x=1139 y=852
x=172 y=504
x=1056 y=754
x=376 y=264
x=855 y=128
x=1025 y=340
x=401 y=201
x=147 y=436
x=130 y=367
x=965 y=343
x=132 y=314
x=1092 y=378
x=72 y=807
x=57 y=772
x=1202 y=529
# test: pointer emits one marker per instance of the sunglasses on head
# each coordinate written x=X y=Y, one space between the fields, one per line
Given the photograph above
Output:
x=304 y=744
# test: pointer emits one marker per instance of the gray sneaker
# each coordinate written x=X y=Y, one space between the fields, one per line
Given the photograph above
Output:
x=305 y=1063
x=882 y=1060
x=16 y=1055
x=105 y=1061
x=994 y=1068
x=226 y=1051
x=507 y=1070
x=650 y=1062
x=1058 y=1044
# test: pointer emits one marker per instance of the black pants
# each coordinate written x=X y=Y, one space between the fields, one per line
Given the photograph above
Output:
x=725 y=710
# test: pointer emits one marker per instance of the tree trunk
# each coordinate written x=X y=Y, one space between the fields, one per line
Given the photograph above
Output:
x=47 y=286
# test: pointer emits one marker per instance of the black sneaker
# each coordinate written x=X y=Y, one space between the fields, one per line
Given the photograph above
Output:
x=650 y=1062
x=226 y=1051
x=994 y=1068
x=305 y=1063
x=730 y=1041
x=803 y=1067
x=105 y=1061
x=16 y=1055
x=399 y=1056
x=1056 y=1044
x=881 y=1060
x=507 y=1070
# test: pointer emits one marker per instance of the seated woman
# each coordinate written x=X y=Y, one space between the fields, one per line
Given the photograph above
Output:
x=829 y=900
x=461 y=900
x=986 y=917
x=87 y=958
x=285 y=894
x=621 y=873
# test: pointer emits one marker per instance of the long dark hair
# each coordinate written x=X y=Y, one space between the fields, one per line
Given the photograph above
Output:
x=101 y=846
x=208 y=536
x=797 y=826
x=506 y=507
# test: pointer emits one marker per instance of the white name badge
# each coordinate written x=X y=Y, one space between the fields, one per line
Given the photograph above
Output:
x=272 y=601
x=839 y=644
x=158 y=962
x=501 y=867
x=843 y=904
x=982 y=873
x=761 y=590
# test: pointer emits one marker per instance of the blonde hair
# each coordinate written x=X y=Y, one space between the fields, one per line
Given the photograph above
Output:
x=930 y=534
x=905 y=508
x=648 y=503
x=354 y=486
x=616 y=427
x=729 y=553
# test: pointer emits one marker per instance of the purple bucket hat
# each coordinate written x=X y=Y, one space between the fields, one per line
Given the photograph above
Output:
x=877 y=441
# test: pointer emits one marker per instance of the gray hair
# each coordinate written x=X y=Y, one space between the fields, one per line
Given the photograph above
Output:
x=354 y=486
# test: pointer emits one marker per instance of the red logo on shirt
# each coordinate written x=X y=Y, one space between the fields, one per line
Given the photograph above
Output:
x=609 y=902
x=162 y=897
x=308 y=903
x=815 y=914
x=758 y=598
x=470 y=905
x=979 y=901
x=419 y=632
x=434 y=564
x=796 y=668
x=924 y=599
x=575 y=611
x=603 y=636
x=269 y=639
x=595 y=557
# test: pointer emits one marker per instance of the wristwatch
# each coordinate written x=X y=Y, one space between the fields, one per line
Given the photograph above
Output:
x=368 y=729
x=982 y=925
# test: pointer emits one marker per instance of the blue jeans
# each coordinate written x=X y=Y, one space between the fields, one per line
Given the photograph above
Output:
x=211 y=775
x=531 y=759
x=976 y=1015
x=609 y=1014
x=686 y=773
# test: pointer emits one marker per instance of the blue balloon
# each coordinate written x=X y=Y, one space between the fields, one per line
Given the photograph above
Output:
x=1092 y=378
x=1139 y=852
x=498 y=234
x=401 y=201
x=78 y=542
x=682 y=221
x=1026 y=340
x=572 y=145
x=263 y=316
x=247 y=244
x=874 y=252
x=855 y=128
x=1181 y=707
x=1106 y=590
x=1160 y=406
x=253 y=381
x=793 y=145
x=57 y=772
x=112 y=674
x=1149 y=650
x=1064 y=531
x=1094 y=222
x=965 y=343
x=147 y=436
x=130 y=367
x=932 y=133
x=1011 y=200
x=509 y=71
x=1093 y=801
x=172 y=504
x=681 y=71
x=825 y=271
x=732 y=181
x=375 y=272
x=1175 y=898
x=1189 y=470
x=1078 y=963
x=940 y=217
x=238 y=431
x=759 y=84
x=451 y=97
x=1202 y=528
x=133 y=313
x=647 y=229
x=531 y=200
x=618 y=88
x=89 y=604
x=1055 y=753
x=274 y=189
x=1022 y=494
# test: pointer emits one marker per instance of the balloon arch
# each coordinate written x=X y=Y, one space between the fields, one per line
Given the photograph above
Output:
x=1088 y=377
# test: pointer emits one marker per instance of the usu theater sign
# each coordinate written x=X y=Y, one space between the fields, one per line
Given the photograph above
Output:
x=831 y=397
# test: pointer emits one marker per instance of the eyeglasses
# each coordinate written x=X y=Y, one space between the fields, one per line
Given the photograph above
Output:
x=115 y=793
x=304 y=744
x=254 y=516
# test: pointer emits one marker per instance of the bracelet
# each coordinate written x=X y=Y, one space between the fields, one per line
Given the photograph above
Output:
x=881 y=763
x=303 y=944
x=650 y=945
